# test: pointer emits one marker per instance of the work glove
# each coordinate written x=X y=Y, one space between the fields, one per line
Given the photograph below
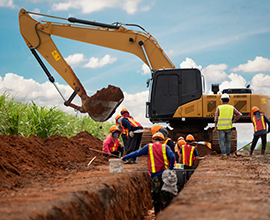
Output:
x=131 y=134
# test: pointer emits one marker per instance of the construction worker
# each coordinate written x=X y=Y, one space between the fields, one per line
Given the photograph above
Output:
x=124 y=112
x=225 y=116
x=188 y=155
x=159 y=154
x=260 y=130
x=112 y=145
x=134 y=131
x=164 y=131
x=180 y=143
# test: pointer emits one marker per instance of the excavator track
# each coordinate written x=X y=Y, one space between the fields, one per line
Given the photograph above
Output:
x=215 y=141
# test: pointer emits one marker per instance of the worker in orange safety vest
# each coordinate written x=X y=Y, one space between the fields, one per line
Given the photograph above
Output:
x=112 y=145
x=134 y=130
x=125 y=113
x=260 y=129
x=180 y=143
x=160 y=158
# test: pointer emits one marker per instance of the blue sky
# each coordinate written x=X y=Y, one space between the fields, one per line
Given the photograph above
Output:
x=227 y=40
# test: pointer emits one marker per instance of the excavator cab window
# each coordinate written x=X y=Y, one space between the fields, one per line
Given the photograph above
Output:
x=172 y=88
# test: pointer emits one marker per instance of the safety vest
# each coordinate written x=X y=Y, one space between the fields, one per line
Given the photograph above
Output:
x=133 y=124
x=157 y=157
x=187 y=155
x=259 y=124
x=225 y=117
x=166 y=141
x=112 y=143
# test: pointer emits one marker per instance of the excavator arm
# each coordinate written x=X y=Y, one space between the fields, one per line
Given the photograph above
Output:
x=102 y=105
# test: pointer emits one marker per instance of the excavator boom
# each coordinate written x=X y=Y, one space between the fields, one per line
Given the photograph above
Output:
x=102 y=105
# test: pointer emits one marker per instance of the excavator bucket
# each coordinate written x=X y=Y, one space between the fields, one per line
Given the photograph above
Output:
x=102 y=105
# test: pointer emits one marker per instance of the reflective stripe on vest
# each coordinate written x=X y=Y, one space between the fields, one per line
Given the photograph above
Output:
x=158 y=151
x=177 y=150
x=166 y=141
x=134 y=123
x=259 y=124
x=225 y=117
x=188 y=157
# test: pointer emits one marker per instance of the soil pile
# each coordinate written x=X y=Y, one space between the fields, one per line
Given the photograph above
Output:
x=23 y=159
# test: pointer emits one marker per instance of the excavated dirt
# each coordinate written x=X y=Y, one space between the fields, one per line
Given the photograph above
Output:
x=50 y=179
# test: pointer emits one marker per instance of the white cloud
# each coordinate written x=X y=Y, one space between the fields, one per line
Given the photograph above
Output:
x=97 y=63
x=257 y=65
x=145 y=70
x=215 y=73
x=75 y=59
x=44 y=94
x=7 y=3
x=260 y=83
x=189 y=63
x=89 y=6
x=136 y=105
x=236 y=81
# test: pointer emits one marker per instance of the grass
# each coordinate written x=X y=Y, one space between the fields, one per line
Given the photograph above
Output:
x=22 y=119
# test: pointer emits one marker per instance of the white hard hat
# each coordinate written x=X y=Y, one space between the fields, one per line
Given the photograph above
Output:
x=225 y=96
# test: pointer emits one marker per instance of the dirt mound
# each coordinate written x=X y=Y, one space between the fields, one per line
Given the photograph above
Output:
x=23 y=159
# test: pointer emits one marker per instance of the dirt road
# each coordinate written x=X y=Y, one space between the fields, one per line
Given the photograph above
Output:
x=238 y=188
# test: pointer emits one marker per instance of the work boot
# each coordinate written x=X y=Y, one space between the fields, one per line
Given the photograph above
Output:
x=263 y=152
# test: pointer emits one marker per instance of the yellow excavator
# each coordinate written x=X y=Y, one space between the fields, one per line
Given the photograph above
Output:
x=176 y=95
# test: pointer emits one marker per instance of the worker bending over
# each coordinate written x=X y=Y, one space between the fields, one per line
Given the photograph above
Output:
x=164 y=131
x=112 y=145
x=135 y=131
x=260 y=130
x=159 y=154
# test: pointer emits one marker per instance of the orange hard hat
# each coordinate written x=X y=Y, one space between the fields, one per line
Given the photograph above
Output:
x=254 y=109
x=181 y=142
x=155 y=128
x=158 y=135
x=116 y=118
x=114 y=128
x=190 y=137
x=123 y=110
x=180 y=138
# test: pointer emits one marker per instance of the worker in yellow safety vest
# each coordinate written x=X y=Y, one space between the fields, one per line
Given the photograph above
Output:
x=225 y=116
x=160 y=158
x=164 y=131
x=260 y=129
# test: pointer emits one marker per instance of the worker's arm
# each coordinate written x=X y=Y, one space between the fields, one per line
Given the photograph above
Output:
x=237 y=115
x=267 y=121
x=216 y=119
x=137 y=153
x=171 y=157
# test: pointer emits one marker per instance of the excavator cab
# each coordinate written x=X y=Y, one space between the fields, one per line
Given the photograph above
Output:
x=172 y=88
